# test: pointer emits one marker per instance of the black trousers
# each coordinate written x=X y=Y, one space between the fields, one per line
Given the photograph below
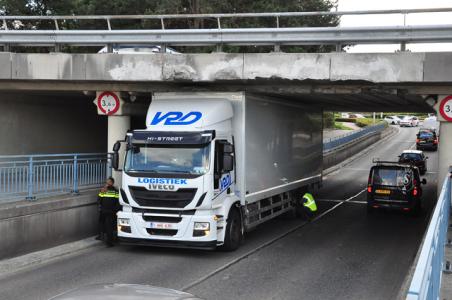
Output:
x=107 y=226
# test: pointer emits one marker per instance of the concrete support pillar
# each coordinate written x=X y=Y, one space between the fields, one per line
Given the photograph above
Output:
x=445 y=151
x=117 y=129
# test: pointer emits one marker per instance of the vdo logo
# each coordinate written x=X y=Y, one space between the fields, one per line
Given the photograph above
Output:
x=176 y=118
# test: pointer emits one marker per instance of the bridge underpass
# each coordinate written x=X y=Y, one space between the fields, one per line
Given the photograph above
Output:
x=334 y=256
x=343 y=254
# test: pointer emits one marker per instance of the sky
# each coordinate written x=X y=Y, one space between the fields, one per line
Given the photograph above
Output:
x=397 y=19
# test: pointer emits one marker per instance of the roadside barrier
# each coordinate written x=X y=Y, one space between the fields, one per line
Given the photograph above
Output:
x=338 y=141
x=31 y=176
x=426 y=282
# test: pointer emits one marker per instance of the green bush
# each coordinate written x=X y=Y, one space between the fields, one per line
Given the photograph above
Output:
x=345 y=120
x=363 y=122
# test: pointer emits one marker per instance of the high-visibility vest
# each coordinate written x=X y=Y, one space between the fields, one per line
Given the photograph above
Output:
x=109 y=194
x=308 y=201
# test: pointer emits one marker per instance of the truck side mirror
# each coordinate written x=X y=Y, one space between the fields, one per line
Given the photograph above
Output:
x=116 y=146
x=115 y=161
x=424 y=181
x=228 y=162
x=115 y=156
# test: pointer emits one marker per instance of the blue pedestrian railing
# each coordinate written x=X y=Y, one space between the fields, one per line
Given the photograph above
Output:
x=426 y=282
x=338 y=141
x=31 y=176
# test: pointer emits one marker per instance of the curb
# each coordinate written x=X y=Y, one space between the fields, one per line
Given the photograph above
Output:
x=12 y=265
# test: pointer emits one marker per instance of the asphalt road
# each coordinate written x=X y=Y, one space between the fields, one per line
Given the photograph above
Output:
x=345 y=254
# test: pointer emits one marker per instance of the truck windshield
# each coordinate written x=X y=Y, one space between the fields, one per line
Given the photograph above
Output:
x=158 y=159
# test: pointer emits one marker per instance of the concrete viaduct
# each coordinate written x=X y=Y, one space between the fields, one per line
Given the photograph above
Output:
x=335 y=81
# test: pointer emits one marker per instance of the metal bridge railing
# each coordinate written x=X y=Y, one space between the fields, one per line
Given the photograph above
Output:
x=31 y=176
x=426 y=282
x=338 y=141
x=14 y=32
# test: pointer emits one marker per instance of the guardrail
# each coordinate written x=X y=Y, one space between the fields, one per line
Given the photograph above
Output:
x=426 y=282
x=338 y=141
x=31 y=176
x=58 y=32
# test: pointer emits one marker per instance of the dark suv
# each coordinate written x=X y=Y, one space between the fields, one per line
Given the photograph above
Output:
x=427 y=139
x=416 y=158
x=394 y=185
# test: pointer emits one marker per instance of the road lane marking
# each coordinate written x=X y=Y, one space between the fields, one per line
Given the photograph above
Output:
x=337 y=201
x=264 y=245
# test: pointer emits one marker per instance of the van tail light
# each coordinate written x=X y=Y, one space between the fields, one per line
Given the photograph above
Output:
x=415 y=192
x=435 y=141
x=369 y=189
x=418 y=140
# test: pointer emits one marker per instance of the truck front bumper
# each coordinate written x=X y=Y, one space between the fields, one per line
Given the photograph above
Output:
x=209 y=245
x=168 y=230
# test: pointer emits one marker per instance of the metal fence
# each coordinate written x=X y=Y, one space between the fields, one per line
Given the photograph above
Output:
x=26 y=30
x=31 y=176
x=338 y=141
x=426 y=282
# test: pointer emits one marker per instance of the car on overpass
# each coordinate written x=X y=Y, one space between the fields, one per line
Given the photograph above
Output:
x=426 y=139
x=409 y=121
x=394 y=185
x=138 y=49
x=415 y=157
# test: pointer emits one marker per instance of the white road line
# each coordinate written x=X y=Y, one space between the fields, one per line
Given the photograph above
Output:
x=338 y=201
x=337 y=205
x=266 y=244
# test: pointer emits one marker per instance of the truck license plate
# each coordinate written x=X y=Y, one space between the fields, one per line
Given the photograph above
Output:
x=383 y=192
x=155 y=225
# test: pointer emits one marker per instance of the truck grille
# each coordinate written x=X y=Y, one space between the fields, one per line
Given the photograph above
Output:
x=178 y=199
x=162 y=219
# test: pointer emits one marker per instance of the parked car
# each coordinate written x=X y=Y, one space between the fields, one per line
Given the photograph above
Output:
x=393 y=120
x=415 y=157
x=396 y=186
x=409 y=121
x=426 y=138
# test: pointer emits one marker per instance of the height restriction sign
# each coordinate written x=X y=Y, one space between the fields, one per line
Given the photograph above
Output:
x=445 y=108
x=108 y=103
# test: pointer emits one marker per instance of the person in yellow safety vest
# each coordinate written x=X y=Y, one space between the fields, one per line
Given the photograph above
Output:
x=309 y=205
x=108 y=200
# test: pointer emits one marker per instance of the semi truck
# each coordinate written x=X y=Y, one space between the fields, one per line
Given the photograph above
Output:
x=211 y=166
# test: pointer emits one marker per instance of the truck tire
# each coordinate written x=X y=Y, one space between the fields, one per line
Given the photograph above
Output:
x=234 y=235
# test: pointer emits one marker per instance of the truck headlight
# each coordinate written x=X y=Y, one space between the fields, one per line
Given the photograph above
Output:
x=202 y=226
x=201 y=229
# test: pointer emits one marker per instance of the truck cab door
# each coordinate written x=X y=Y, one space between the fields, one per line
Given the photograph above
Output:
x=224 y=166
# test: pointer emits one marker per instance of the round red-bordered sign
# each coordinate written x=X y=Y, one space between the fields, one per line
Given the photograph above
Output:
x=445 y=108
x=108 y=103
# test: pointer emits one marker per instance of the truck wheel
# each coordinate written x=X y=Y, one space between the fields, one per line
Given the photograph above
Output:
x=234 y=235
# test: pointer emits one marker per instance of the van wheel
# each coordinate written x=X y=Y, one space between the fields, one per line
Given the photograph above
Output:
x=234 y=235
